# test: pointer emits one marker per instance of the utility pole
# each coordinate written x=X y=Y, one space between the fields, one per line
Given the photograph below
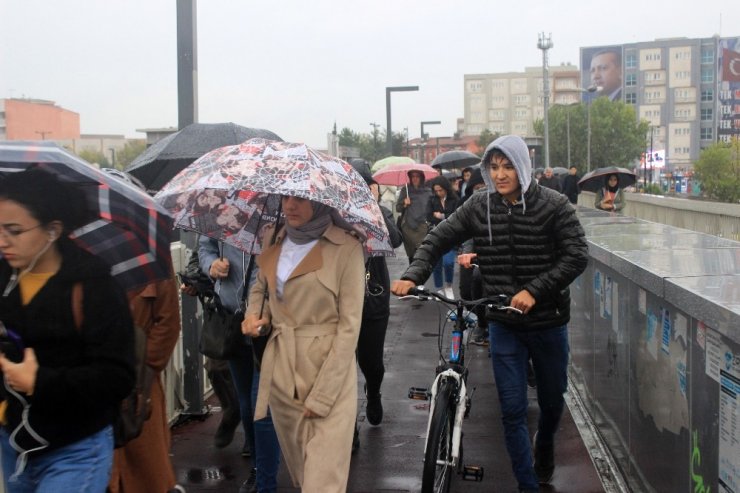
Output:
x=544 y=44
x=43 y=133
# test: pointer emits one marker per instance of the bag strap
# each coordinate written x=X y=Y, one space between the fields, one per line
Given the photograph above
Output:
x=77 y=312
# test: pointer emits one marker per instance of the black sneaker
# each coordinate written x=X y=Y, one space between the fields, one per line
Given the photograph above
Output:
x=373 y=408
x=250 y=485
x=544 y=460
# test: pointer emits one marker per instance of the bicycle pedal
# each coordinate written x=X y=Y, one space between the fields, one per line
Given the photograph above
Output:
x=472 y=473
x=419 y=393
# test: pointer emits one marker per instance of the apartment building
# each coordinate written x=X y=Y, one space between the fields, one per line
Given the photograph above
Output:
x=675 y=85
x=509 y=103
x=36 y=119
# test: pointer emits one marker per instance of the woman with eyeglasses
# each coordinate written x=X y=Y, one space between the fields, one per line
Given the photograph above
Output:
x=67 y=342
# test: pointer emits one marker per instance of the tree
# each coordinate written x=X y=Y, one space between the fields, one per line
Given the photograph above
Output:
x=616 y=136
x=94 y=157
x=486 y=137
x=718 y=170
x=130 y=151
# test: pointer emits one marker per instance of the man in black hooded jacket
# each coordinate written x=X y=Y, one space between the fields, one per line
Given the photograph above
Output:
x=530 y=246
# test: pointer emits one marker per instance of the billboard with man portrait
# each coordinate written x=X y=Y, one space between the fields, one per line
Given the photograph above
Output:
x=728 y=100
x=601 y=66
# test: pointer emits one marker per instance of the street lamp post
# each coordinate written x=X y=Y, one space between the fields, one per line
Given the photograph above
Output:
x=389 y=133
x=590 y=89
x=544 y=44
x=424 y=136
x=112 y=157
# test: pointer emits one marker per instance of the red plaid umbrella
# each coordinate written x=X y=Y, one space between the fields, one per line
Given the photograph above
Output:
x=127 y=228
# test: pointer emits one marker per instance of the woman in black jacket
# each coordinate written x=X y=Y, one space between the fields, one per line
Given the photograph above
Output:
x=65 y=370
x=442 y=204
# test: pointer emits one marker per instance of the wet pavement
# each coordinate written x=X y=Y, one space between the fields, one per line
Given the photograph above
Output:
x=390 y=455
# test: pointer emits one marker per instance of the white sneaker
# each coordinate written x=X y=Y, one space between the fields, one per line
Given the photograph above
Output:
x=449 y=293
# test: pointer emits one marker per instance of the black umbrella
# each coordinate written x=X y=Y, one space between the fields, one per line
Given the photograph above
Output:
x=455 y=159
x=162 y=161
x=594 y=180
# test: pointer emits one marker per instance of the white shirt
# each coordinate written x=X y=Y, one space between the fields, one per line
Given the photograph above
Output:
x=290 y=256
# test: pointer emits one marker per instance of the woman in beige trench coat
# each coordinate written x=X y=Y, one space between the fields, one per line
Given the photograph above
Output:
x=314 y=280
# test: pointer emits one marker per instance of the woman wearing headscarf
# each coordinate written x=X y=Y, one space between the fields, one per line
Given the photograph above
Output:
x=412 y=204
x=309 y=296
x=68 y=345
x=610 y=197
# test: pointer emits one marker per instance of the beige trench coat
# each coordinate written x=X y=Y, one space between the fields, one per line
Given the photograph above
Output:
x=309 y=361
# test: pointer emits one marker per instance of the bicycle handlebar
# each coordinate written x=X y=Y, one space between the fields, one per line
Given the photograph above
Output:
x=501 y=302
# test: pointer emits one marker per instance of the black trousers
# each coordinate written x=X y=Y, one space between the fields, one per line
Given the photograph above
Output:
x=370 y=351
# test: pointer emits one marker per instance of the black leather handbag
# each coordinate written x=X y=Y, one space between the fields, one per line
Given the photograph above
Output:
x=221 y=337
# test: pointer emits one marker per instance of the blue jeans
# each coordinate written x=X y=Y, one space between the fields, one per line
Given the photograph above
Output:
x=83 y=466
x=267 y=453
x=241 y=369
x=448 y=262
x=510 y=351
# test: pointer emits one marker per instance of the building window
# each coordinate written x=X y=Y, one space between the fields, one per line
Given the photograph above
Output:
x=630 y=80
x=631 y=98
x=707 y=75
x=630 y=61
x=707 y=95
x=706 y=133
x=706 y=114
x=707 y=55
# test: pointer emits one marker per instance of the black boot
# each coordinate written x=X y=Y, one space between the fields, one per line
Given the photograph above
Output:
x=223 y=386
x=374 y=407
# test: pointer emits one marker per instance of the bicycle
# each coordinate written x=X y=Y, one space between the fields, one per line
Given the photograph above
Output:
x=450 y=401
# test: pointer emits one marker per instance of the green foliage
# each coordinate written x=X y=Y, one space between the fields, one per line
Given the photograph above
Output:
x=94 y=157
x=371 y=146
x=130 y=151
x=616 y=137
x=718 y=170
x=652 y=189
x=486 y=137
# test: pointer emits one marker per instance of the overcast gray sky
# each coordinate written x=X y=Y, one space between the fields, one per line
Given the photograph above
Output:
x=296 y=66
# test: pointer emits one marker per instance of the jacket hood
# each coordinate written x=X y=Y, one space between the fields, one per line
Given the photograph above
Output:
x=423 y=180
x=517 y=151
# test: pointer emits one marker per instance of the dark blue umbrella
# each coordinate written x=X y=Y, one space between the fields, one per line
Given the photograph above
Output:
x=594 y=180
x=126 y=227
x=164 y=159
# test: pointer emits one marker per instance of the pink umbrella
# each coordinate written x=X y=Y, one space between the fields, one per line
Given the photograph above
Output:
x=397 y=174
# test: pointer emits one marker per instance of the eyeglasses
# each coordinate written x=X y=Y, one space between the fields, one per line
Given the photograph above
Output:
x=10 y=233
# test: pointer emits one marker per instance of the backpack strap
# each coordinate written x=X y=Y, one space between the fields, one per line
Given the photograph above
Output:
x=77 y=312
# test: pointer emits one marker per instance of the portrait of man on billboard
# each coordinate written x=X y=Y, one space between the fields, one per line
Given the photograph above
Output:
x=602 y=67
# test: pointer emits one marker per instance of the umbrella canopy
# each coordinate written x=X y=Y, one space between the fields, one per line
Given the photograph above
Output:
x=559 y=170
x=455 y=159
x=387 y=161
x=232 y=193
x=127 y=228
x=396 y=174
x=594 y=180
x=167 y=157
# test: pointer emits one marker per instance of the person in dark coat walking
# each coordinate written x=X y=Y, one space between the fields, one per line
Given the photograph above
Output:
x=550 y=181
x=570 y=185
x=530 y=246
x=375 y=313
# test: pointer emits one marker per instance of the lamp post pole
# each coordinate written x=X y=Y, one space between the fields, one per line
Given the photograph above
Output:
x=112 y=157
x=389 y=132
x=424 y=137
x=544 y=44
x=590 y=89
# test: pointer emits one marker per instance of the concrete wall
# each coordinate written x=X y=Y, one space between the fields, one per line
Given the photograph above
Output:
x=715 y=218
x=655 y=344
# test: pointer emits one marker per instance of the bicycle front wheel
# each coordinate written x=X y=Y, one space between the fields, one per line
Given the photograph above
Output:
x=438 y=455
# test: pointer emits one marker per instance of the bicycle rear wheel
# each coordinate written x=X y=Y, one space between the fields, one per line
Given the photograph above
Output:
x=438 y=455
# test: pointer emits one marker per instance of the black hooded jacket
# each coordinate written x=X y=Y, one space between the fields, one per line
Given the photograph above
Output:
x=541 y=249
x=84 y=372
